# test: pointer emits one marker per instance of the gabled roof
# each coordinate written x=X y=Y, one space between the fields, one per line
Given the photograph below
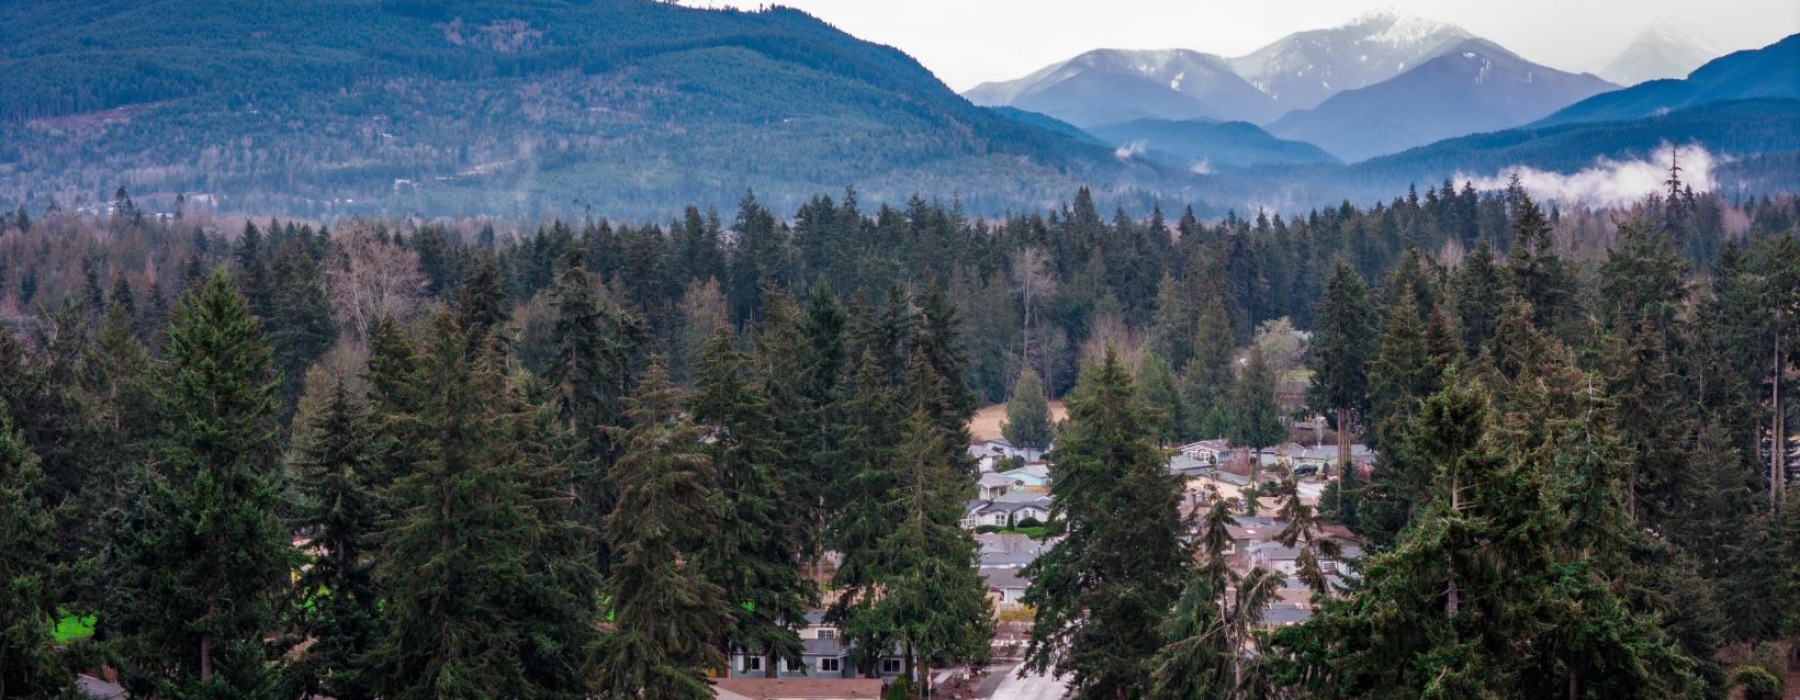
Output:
x=1208 y=445
x=1286 y=614
x=992 y=479
x=1003 y=578
x=1035 y=470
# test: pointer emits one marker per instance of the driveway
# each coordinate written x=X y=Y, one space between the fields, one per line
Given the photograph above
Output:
x=1031 y=687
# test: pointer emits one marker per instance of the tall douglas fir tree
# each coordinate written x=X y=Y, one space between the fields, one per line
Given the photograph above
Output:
x=1101 y=593
x=203 y=557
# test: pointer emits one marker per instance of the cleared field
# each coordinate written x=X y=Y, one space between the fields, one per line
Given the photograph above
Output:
x=986 y=423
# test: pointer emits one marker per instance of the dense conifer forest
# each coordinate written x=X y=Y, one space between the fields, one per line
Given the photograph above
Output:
x=403 y=458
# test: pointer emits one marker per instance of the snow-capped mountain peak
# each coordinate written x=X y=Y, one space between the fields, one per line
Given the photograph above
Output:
x=1661 y=50
x=1302 y=69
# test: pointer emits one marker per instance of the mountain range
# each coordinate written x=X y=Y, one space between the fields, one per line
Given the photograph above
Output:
x=1474 y=87
x=1296 y=72
x=632 y=108
x=629 y=107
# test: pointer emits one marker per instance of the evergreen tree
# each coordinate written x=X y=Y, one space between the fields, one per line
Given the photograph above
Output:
x=487 y=581
x=29 y=663
x=1206 y=381
x=1539 y=275
x=336 y=509
x=1157 y=389
x=1494 y=565
x=1173 y=327
x=1027 y=413
x=1117 y=570
x=1480 y=289
x=666 y=615
x=930 y=598
x=1213 y=621
x=865 y=508
x=1341 y=350
x=594 y=347
x=481 y=304
x=299 y=322
x=1255 y=419
x=936 y=341
x=754 y=554
x=203 y=557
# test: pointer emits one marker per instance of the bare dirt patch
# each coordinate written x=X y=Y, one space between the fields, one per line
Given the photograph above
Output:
x=986 y=423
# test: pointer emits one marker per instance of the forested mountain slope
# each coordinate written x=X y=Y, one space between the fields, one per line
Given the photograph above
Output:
x=1771 y=71
x=347 y=106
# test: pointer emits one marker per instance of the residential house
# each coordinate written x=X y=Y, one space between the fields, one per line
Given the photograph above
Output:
x=1031 y=478
x=1209 y=451
x=824 y=655
x=1189 y=467
x=1006 y=588
x=1325 y=456
x=1286 y=614
x=1007 y=510
x=991 y=486
x=1008 y=550
x=999 y=447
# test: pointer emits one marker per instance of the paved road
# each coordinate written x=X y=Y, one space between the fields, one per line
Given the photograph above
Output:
x=1031 y=687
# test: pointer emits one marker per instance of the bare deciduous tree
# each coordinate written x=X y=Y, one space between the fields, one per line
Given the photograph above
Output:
x=368 y=278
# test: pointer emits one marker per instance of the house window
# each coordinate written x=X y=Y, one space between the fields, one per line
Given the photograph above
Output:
x=891 y=666
x=828 y=634
x=831 y=665
x=753 y=663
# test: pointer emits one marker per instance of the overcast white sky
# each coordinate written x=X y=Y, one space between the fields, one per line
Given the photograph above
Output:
x=967 y=42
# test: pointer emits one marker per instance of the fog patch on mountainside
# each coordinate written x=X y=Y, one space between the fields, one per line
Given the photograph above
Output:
x=1610 y=182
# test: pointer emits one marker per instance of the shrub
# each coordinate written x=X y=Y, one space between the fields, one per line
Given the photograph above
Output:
x=1772 y=658
x=1758 y=683
x=1028 y=521
x=898 y=691
x=985 y=529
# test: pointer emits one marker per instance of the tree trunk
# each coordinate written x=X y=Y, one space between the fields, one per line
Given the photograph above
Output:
x=1777 y=441
x=1574 y=685
x=1343 y=426
x=769 y=666
x=1454 y=603
x=907 y=655
x=206 y=665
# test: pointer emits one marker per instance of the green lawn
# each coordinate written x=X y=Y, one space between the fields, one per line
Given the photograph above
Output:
x=71 y=628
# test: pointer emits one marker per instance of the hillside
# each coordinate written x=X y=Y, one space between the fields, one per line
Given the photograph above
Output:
x=1205 y=144
x=464 y=107
x=1771 y=71
x=1750 y=137
x=1477 y=86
